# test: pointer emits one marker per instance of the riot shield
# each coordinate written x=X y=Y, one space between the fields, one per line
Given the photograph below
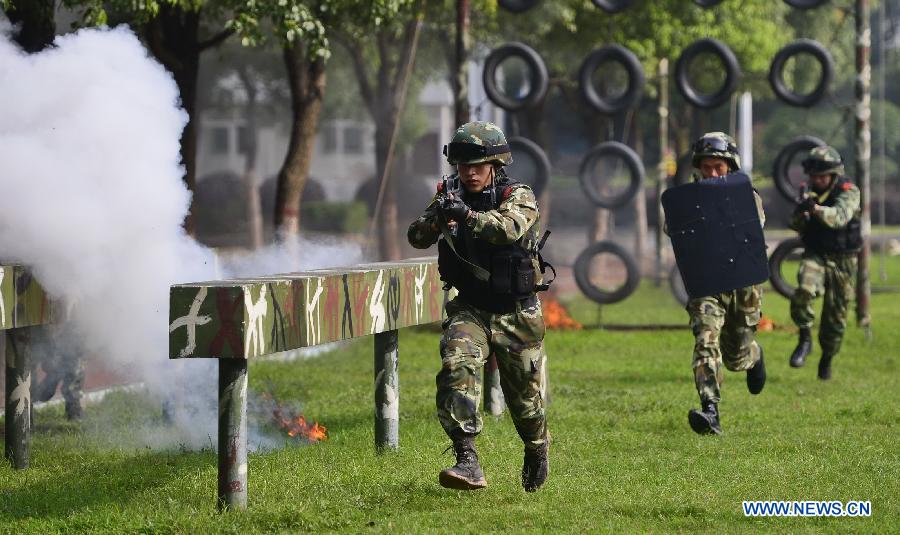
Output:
x=716 y=234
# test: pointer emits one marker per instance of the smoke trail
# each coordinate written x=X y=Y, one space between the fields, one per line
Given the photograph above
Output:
x=93 y=200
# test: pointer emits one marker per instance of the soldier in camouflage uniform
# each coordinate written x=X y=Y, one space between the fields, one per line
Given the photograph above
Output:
x=724 y=325
x=62 y=366
x=488 y=252
x=827 y=219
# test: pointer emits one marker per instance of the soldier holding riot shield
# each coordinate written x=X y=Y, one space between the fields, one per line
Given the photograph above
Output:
x=715 y=224
x=489 y=231
x=827 y=219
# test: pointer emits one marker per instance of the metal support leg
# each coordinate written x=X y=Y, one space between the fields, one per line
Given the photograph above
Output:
x=18 y=398
x=494 y=403
x=387 y=391
x=232 y=434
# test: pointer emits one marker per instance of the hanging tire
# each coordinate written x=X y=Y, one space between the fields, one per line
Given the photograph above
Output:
x=781 y=167
x=729 y=61
x=676 y=286
x=612 y=6
x=776 y=72
x=517 y=6
x=632 y=66
x=707 y=3
x=805 y=4
x=539 y=80
x=582 y=270
x=778 y=256
x=521 y=145
x=635 y=170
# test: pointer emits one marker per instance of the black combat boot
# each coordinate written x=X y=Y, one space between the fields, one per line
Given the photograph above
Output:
x=804 y=346
x=706 y=421
x=466 y=474
x=535 y=468
x=756 y=376
x=825 y=367
x=73 y=410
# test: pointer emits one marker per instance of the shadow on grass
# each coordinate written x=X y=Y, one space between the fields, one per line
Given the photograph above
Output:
x=62 y=493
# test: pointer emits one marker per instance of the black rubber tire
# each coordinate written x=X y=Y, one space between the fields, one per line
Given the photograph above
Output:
x=776 y=72
x=519 y=145
x=517 y=6
x=706 y=4
x=582 y=276
x=778 y=256
x=783 y=161
x=804 y=4
x=612 y=6
x=729 y=61
x=632 y=161
x=632 y=65
x=539 y=77
x=676 y=286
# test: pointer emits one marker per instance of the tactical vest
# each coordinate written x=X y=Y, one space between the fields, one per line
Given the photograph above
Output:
x=513 y=277
x=821 y=239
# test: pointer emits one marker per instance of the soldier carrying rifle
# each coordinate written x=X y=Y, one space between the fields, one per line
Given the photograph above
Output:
x=489 y=231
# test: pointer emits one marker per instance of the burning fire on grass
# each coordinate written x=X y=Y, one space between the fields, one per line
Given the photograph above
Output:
x=556 y=316
x=294 y=424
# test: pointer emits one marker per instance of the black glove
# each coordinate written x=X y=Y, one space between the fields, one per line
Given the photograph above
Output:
x=454 y=209
x=806 y=205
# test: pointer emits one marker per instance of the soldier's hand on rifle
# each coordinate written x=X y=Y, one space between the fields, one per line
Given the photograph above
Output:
x=454 y=209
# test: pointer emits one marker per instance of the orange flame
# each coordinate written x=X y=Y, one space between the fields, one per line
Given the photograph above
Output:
x=297 y=426
x=556 y=316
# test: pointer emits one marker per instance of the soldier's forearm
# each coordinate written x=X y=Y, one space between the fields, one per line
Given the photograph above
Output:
x=497 y=228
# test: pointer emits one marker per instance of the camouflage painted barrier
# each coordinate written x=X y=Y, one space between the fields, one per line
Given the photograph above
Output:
x=236 y=320
x=23 y=304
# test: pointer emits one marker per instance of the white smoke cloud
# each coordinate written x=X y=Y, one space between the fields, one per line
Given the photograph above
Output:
x=93 y=198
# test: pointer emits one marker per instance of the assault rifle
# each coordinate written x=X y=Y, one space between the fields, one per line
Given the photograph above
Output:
x=806 y=200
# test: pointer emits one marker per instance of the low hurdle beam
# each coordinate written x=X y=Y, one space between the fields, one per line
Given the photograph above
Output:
x=237 y=320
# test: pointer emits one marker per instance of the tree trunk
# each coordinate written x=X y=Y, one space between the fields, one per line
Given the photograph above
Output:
x=172 y=37
x=640 y=205
x=306 y=77
x=38 y=26
x=460 y=82
x=385 y=96
x=251 y=145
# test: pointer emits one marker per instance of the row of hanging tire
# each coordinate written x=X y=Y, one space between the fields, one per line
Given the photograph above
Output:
x=539 y=79
x=787 y=249
x=615 y=6
x=633 y=162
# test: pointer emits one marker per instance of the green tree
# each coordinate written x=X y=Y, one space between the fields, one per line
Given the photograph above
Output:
x=177 y=32
x=304 y=29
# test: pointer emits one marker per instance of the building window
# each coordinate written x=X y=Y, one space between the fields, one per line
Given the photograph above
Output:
x=329 y=139
x=218 y=136
x=353 y=140
x=243 y=137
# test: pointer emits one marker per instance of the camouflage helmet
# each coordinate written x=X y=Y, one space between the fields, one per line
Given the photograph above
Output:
x=716 y=145
x=823 y=160
x=478 y=142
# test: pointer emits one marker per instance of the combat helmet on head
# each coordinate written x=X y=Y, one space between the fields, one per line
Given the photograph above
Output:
x=478 y=142
x=823 y=160
x=716 y=145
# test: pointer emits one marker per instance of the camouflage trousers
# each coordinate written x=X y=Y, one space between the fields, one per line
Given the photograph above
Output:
x=724 y=327
x=516 y=339
x=831 y=275
x=61 y=369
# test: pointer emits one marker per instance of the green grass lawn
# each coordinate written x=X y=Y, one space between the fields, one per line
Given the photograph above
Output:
x=623 y=457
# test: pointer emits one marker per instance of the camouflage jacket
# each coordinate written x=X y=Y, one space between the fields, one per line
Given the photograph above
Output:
x=845 y=207
x=516 y=218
